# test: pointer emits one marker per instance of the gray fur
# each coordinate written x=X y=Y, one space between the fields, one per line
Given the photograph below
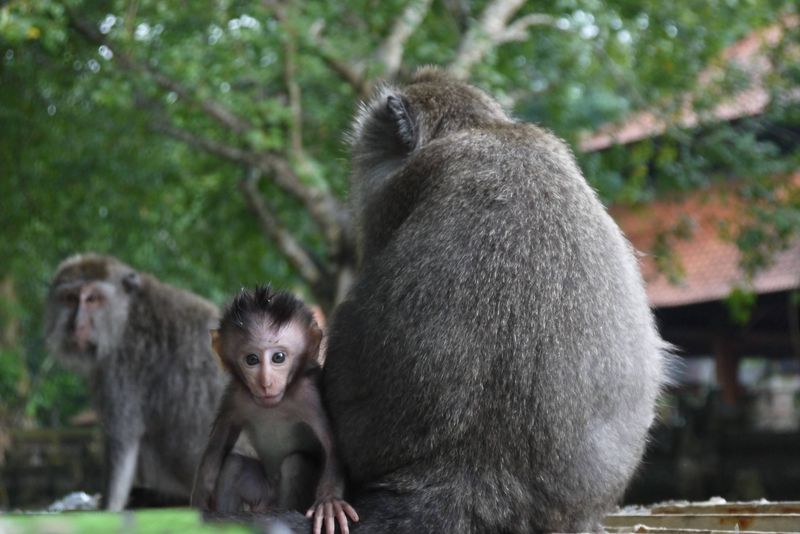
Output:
x=154 y=379
x=496 y=366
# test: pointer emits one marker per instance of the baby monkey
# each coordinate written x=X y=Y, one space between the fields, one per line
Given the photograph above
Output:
x=269 y=342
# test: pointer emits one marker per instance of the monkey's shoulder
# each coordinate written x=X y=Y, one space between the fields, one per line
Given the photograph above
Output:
x=506 y=162
x=494 y=143
x=172 y=301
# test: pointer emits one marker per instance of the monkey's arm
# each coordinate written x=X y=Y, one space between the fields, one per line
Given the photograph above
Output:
x=124 y=426
x=122 y=457
x=224 y=434
x=329 y=505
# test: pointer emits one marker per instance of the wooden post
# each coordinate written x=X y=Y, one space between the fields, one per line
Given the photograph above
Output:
x=726 y=362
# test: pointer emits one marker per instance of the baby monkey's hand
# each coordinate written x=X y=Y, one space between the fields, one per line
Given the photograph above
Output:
x=331 y=509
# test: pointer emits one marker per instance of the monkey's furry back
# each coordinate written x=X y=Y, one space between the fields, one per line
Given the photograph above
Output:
x=496 y=366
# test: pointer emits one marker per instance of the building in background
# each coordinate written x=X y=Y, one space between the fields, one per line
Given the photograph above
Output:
x=732 y=426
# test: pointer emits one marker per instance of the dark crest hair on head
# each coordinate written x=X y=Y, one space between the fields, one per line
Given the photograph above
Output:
x=279 y=306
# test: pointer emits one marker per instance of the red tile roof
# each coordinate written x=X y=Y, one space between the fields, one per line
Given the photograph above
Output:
x=748 y=55
x=710 y=263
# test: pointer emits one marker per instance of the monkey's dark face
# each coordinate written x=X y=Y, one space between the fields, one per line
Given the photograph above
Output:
x=88 y=319
x=268 y=358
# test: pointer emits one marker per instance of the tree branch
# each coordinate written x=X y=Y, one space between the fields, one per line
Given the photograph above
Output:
x=289 y=80
x=323 y=207
x=272 y=227
x=492 y=30
x=390 y=53
x=353 y=75
x=213 y=109
x=350 y=74
x=295 y=101
x=518 y=31
x=233 y=154
x=320 y=205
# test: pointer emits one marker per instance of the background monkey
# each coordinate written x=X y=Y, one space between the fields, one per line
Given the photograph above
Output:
x=269 y=342
x=496 y=366
x=154 y=380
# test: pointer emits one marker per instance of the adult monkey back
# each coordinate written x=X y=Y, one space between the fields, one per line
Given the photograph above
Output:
x=496 y=366
x=145 y=347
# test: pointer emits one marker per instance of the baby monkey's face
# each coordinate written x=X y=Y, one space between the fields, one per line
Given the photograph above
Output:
x=268 y=358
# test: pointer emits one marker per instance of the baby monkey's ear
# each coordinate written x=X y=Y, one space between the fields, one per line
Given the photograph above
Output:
x=216 y=346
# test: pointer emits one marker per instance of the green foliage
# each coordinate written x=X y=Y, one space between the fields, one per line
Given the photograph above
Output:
x=154 y=521
x=669 y=264
x=740 y=304
x=85 y=163
x=13 y=377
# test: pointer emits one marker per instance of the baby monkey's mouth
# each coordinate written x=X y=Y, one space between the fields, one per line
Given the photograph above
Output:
x=269 y=400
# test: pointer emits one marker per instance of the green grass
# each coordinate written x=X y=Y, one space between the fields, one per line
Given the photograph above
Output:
x=161 y=521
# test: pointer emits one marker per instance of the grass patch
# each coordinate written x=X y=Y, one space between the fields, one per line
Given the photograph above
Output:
x=161 y=521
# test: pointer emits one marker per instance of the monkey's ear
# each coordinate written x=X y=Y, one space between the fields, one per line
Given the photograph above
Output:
x=403 y=118
x=216 y=347
x=131 y=281
x=315 y=335
x=215 y=343
x=314 y=355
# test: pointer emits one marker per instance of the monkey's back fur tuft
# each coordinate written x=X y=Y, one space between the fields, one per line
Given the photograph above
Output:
x=496 y=365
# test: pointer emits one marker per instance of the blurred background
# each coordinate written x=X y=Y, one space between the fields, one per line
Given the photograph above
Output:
x=204 y=142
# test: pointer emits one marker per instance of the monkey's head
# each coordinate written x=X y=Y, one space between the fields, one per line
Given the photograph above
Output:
x=265 y=339
x=87 y=308
x=398 y=128
x=395 y=122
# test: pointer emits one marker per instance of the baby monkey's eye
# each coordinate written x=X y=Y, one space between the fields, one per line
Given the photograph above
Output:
x=251 y=359
x=279 y=357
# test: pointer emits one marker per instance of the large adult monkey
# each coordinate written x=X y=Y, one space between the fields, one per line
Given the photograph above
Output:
x=145 y=347
x=496 y=366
